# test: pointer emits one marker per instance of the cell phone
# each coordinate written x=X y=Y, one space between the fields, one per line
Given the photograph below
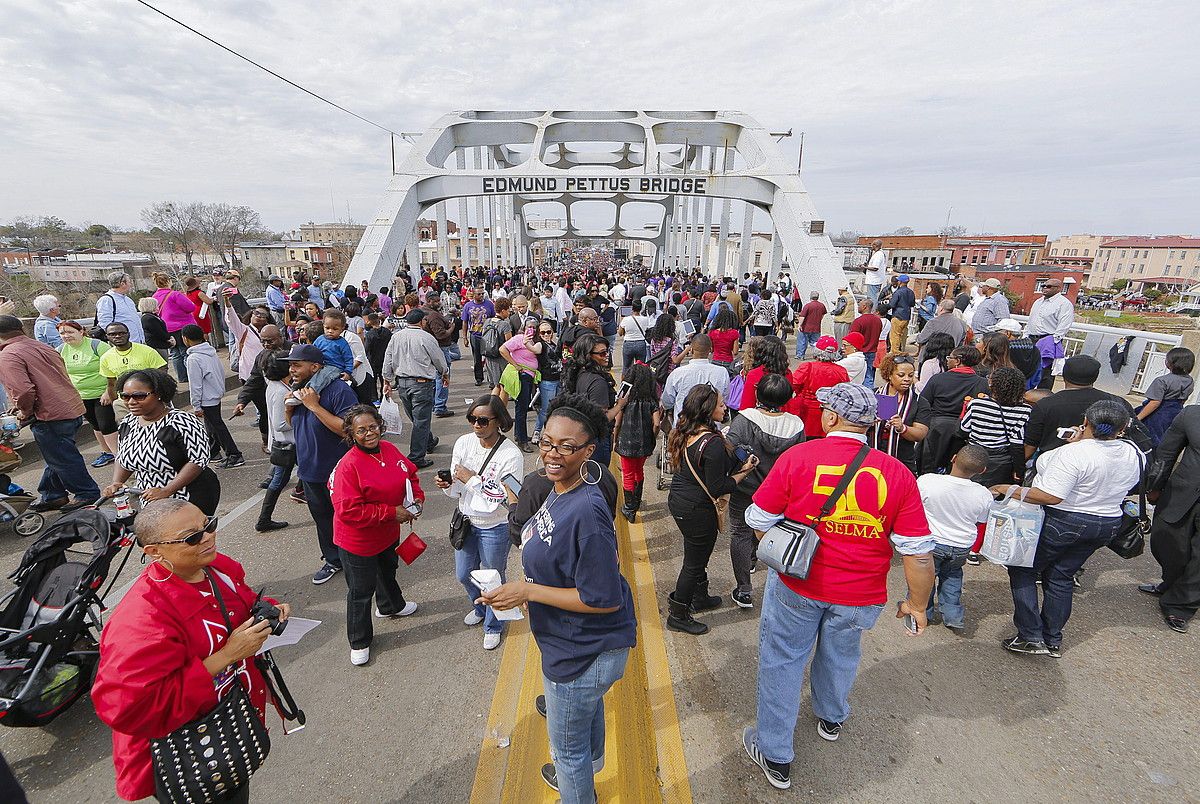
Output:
x=512 y=484
x=910 y=622
x=626 y=387
x=444 y=475
x=1065 y=433
x=741 y=453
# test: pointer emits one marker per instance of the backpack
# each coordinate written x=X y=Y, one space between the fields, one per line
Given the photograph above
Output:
x=660 y=363
x=492 y=340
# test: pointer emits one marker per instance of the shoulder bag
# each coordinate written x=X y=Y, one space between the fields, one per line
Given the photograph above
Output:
x=460 y=523
x=788 y=547
x=212 y=756
x=1016 y=452
x=721 y=504
x=97 y=332
x=1130 y=539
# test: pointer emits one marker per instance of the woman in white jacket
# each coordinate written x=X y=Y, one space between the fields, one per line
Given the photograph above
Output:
x=478 y=466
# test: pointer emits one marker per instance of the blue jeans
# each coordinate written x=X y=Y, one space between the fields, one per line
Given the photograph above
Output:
x=603 y=453
x=441 y=391
x=873 y=293
x=417 y=399
x=804 y=340
x=575 y=725
x=631 y=352
x=485 y=548
x=1067 y=541
x=947 y=592
x=549 y=390
x=791 y=625
x=869 y=380
x=64 y=470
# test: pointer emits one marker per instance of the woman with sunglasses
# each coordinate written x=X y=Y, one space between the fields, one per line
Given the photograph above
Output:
x=705 y=471
x=899 y=435
x=166 y=654
x=478 y=465
x=550 y=366
x=588 y=375
x=375 y=491
x=164 y=449
x=580 y=607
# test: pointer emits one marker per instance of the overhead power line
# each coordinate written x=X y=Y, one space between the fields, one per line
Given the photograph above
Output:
x=269 y=71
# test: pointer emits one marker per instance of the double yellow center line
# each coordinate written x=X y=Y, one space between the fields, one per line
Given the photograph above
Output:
x=644 y=752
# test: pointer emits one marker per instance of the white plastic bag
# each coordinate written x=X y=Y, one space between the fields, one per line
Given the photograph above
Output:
x=1013 y=530
x=393 y=420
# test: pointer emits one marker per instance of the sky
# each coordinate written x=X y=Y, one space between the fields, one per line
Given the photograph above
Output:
x=1007 y=117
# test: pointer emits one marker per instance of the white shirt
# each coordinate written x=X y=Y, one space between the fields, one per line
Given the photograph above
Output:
x=877 y=268
x=1090 y=476
x=278 y=429
x=856 y=366
x=362 y=366
x=617 y=294
x=483 y=496
x=954 y=507
x=636 y=327
x=1052 y=316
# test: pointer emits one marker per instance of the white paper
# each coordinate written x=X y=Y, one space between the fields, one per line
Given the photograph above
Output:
x=487 y=580
x=297 y=627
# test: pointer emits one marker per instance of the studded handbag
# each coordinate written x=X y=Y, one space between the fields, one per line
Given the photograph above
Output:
x=211 y=757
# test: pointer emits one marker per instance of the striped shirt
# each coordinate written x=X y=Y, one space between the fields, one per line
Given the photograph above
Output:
x=993 y=426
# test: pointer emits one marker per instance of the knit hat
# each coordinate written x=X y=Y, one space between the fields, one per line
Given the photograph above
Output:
x=856 y=340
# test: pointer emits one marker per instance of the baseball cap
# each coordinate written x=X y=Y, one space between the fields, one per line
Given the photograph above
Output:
x=855 y=339
x=902 y=278
x=853 y=402
x=826 y=343
x=1081 y=370
x=306 y=352
x=1008 y=325
x=993 y=283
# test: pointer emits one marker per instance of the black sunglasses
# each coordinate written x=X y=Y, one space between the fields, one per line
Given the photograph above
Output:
x=482 y=421
x=193 y=539
x=137 y=395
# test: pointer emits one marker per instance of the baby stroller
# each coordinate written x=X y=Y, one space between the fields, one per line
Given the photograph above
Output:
x=50 y=623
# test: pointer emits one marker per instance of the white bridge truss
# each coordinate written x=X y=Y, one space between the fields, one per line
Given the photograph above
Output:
x=670 y=168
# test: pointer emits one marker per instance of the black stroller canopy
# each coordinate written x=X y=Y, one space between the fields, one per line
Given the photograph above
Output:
x=85 y=525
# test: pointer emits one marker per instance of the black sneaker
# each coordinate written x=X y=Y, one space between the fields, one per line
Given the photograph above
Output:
x=1054 y=651
x=549 y=776
x=539 y=703
x=743 y=599
x=49 y=505
x=326 y=572
x=829 y=730
x=1018 y=645
x=973 y=559
x=444 y=414
x=1151 y=589
x=779 y=774
x=233 y=461
x=1177 y=624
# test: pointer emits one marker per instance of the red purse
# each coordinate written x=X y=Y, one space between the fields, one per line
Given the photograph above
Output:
x=410 y=548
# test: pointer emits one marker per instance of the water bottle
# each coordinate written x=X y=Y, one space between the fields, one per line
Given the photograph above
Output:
x=121 y=503
x=1131 y=508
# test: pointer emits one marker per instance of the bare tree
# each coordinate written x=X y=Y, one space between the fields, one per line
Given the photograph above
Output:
x=179 y=223
x=904 y=231
x=953 y=231
x=221 y=226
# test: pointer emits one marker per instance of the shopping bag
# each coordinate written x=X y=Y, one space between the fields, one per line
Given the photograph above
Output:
x=1012 y=532
x=393 y=420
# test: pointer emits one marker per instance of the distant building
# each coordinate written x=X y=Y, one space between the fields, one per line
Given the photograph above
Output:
x=1141 y=259
x=347 y=234
x=951 y=254
x=87 y=266
x=263 y=258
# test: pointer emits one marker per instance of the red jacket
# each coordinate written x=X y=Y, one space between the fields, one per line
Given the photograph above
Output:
x=807 y=379
x=151 y=678
x=366 y=489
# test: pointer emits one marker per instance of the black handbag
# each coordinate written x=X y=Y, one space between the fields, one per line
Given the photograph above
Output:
x=1130 y=539
x=213 y=756
x=283 y=454
x=789 y=547
x=460 y=523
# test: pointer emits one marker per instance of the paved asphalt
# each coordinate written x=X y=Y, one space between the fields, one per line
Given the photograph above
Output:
x=936 y=717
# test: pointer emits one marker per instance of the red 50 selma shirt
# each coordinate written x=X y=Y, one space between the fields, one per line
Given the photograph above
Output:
x=881 y=508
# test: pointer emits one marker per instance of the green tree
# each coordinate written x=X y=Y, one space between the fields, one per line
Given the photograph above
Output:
x=1120 y=284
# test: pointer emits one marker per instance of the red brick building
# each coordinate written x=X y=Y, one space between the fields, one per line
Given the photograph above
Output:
x=1025 y=282
x=954 y=254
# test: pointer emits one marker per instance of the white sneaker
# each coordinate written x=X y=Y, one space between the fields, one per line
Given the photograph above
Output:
x=491 y=641
x=409 y=609
x=472 y=618
x=360 y=657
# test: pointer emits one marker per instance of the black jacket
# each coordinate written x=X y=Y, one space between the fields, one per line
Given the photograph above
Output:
x=747 y=432
x=256 y=383
x=155 y=330
x=1177 y=481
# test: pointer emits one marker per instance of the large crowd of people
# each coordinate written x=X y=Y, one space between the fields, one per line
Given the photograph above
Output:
x=893 y=427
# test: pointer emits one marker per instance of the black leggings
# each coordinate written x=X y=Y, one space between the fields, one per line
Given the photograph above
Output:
x=100 y=417
x=698 y=524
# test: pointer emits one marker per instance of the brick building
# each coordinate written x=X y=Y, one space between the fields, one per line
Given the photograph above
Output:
x=1025 y=281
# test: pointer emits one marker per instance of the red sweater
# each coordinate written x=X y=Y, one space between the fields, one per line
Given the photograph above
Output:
x=151 y=678
x=366 y=489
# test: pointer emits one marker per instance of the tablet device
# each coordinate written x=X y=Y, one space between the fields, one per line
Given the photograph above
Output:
x=689 y=328
x=624 y=311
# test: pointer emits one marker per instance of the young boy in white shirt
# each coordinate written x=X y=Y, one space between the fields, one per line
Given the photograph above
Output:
x=957 y=509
